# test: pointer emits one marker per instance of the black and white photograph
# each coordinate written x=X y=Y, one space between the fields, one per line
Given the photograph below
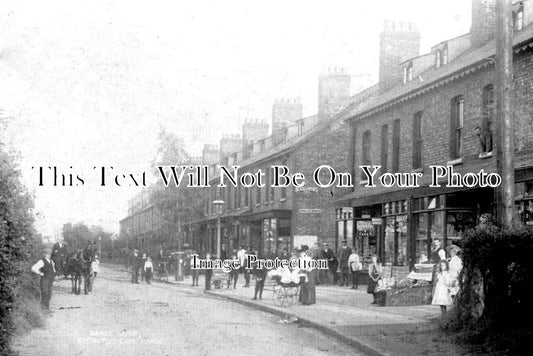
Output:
x=246 y=177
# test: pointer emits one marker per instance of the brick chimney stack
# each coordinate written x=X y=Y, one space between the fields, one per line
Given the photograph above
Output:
x=398 y=42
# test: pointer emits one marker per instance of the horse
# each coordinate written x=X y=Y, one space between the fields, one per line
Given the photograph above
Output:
x=78 y=265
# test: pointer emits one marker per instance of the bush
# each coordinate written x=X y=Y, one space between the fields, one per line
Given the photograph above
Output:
x=495 y=305
x=19 y=247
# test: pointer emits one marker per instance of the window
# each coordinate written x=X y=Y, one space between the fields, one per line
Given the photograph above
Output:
x=417 y=140
x=366 y=150
x=283 y=193
x=300 y=127
x=457 y=122
x=258 y=195
x=518 y=17
x=239 y=202
x=484 y=132
x=271 y=188
x=246 y=196
x=438 y=58
x=396 y=146
x=408 y=72
x=384 y=147
x=267 y=186
x=445 y=55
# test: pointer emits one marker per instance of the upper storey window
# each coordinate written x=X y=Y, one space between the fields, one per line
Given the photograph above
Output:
x=441 y=56
x=518 y=17
x=408 y=72
x=438 y=58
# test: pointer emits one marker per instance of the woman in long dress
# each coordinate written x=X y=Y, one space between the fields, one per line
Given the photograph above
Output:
x=375 y=272
x=455 y=267
x=441 y=294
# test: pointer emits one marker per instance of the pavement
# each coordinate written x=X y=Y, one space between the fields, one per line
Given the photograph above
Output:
x=348 y=315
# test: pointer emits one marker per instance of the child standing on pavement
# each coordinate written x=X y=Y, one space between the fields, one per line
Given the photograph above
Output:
x=441 y=295
x=148 y=268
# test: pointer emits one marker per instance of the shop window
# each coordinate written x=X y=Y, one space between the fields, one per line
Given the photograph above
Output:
x=384 y=147
x=396 y=240
x=456 y=124
x=340 y=230
x=417 y=140
x=396 y=146
x=457 y=222
x=422 y=245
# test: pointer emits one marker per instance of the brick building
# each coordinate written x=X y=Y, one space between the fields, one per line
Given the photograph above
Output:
x=439 y=112
x=270 y=219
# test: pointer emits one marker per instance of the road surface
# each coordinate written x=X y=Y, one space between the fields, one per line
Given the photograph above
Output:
x=120 y=318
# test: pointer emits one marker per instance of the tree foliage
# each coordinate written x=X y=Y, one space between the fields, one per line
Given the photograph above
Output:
x=77 y=236
x=497 y=282
x=20 y=246
x=178 y=205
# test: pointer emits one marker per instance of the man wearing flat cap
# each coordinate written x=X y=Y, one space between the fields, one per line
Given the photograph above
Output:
x=344 y=256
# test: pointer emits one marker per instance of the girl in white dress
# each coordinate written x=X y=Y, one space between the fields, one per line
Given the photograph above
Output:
x=441 y=295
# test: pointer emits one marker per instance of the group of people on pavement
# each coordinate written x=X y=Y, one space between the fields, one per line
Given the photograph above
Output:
x=448 y=266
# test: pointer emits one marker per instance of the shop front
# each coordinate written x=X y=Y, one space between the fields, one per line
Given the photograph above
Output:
x=401 y=230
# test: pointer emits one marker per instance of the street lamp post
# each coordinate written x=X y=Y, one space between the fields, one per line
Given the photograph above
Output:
x=218 y=205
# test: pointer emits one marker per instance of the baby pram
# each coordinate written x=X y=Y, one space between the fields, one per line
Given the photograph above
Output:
x=287 y=287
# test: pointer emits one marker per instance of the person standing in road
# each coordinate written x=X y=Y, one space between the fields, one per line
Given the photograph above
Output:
x=95 y=266
x=208 y=274
x=242 y=255
x=194 y=271
x=355 y=266
x=260 y=276
x=59 y=256
x=45 y=268
x=344 y=255
x=135 y=262
x=148 y=268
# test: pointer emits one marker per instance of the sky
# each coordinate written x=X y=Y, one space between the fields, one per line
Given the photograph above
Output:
x=88 y=84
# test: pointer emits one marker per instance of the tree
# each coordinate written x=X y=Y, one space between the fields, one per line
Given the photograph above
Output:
x=19 y=248
x=178 y=205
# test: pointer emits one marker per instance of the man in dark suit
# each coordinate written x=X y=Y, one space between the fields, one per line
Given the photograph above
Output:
x=344 y=256
x=135 y=262
x=45 y=268
x=438 y=253
x=329 y=255
x=59 y=256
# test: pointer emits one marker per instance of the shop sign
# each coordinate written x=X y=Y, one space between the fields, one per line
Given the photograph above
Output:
x=310 y=211
x=365 y=225
x=376 y=221
x=306 y=189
